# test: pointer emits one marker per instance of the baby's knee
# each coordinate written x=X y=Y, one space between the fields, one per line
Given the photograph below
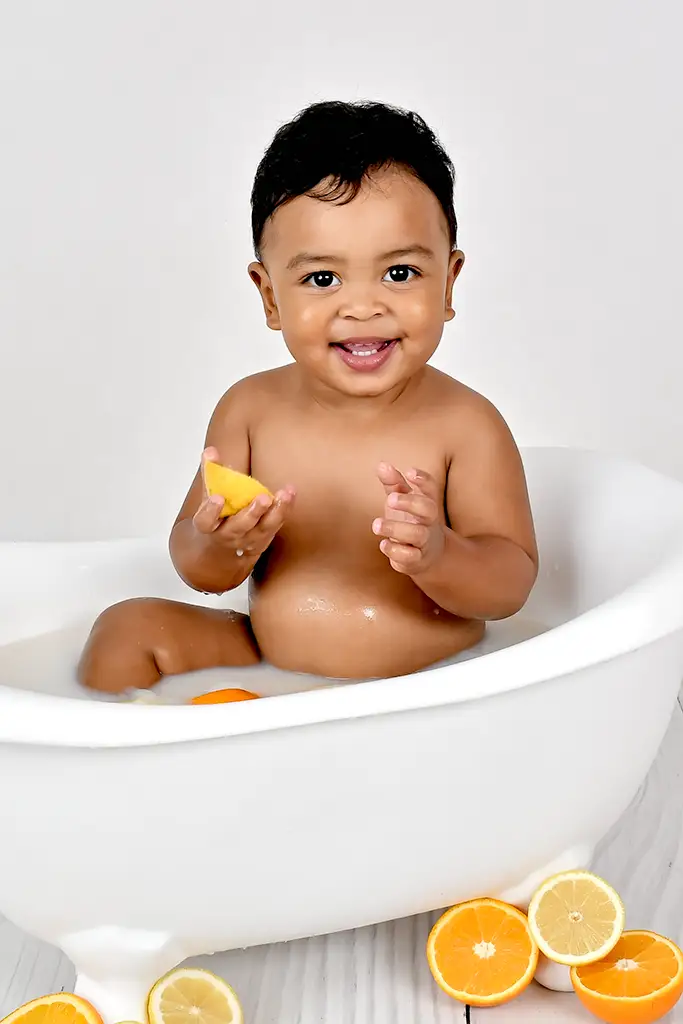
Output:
x=133 y=613
x=120 y=636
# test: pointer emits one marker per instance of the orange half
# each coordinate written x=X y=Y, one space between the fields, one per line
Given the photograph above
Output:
x=639 y=982
x=61 y=1008
x=224 y=696
x=482 y=953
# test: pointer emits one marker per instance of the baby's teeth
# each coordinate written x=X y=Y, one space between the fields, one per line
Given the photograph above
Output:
x=367 y=352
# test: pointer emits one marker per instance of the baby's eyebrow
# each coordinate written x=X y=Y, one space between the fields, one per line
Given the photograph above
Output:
x=309 y=257
x=409 y=250
x=303 y=258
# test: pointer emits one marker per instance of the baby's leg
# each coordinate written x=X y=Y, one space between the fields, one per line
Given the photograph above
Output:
x=135 y=643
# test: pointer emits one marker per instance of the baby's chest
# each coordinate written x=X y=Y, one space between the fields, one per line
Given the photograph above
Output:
x=335 y=474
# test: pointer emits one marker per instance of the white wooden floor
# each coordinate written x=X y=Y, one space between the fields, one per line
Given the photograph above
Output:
x=379 y=975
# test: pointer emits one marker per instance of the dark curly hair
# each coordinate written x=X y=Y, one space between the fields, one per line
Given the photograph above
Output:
x=342 y=143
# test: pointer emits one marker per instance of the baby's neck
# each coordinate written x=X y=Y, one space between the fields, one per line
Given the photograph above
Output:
x=318 y=393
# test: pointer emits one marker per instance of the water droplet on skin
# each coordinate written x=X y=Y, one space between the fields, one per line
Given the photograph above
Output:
x=316 y=604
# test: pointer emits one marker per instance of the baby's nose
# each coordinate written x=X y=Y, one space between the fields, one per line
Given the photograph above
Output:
x=361 y=302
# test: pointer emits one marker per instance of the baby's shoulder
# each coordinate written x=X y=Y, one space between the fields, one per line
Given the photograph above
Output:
x=255 y=393
x=465 y=420
x=456 y=403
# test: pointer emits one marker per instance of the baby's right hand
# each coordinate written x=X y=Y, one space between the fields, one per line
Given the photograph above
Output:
x=250 y=531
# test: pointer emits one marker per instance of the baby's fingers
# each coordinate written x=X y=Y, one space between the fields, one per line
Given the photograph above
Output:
x=425 y=483
x=414 y=534
x=208 y=517
x=208 y=455
x=403 y=558
x=392 y=480
x=250 y=517
x=419 y=506
x=277 y=513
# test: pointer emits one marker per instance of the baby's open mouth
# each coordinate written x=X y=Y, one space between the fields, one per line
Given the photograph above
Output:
x=365 y=354
x=364 y=348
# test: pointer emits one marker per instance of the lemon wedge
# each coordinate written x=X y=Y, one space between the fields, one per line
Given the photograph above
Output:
x=236 y=489
x=576 y=918
x=189 y=994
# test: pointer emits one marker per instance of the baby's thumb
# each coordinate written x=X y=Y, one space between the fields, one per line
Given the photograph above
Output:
x=208 y=455
x=391 y=479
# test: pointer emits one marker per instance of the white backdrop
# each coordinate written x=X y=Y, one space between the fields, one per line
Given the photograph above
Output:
x=129 y=134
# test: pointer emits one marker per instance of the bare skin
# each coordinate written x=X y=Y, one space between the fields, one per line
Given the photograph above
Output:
x=400 y=522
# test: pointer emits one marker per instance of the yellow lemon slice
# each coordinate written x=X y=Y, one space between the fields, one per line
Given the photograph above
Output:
x=192 y=995
x=576 y=918
x=237 y=489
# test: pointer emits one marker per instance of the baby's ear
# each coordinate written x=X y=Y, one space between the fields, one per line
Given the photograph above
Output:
x=259 y=275
x=455 y=265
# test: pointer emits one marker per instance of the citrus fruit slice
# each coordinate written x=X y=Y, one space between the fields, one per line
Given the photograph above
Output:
x=576 y=918
x=224 y=696
x=62 y=1007
x=190 y=994
x=236 y=489
x=639 y=982
x=482 y=952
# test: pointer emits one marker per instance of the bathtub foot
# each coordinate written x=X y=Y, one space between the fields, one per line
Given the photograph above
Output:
x=572 y=860
x=552 y=976
x=116 y=967
x=555 y=977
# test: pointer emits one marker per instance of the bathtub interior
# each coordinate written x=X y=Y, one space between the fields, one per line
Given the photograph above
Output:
x=603 y=524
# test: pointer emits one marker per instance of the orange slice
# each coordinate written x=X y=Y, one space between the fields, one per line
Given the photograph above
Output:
x=576 y=918
x=192 y=995
x=639 y=982
x=236 y=489
x=224 y=696
x=482 y=952
x=62 y=1007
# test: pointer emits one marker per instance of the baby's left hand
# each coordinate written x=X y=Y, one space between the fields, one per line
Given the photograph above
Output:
x=414 y=538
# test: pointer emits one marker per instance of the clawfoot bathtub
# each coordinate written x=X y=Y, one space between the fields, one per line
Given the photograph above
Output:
x=134 y=836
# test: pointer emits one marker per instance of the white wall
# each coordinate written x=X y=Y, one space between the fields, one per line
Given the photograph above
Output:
x=129 y=133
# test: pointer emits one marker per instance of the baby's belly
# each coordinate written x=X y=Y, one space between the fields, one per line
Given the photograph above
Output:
x=324 y=624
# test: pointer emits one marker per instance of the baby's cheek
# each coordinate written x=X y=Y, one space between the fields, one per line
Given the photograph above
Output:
x=304 y=327
x=306 y=316
x=420 y=309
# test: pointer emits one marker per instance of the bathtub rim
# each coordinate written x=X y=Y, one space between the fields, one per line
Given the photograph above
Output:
x=647 y=611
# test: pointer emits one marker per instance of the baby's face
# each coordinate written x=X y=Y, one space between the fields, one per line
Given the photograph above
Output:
x=360 y=290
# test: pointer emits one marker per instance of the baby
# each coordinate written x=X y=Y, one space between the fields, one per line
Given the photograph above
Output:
x=400 y=521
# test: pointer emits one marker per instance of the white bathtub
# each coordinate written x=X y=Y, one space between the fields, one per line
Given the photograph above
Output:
x=135 y=836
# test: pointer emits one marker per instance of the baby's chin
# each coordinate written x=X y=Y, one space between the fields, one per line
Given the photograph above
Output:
x=389 y=379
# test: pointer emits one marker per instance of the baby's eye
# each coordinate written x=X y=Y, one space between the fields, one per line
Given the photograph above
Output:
x=322 y=279
x=400 y=274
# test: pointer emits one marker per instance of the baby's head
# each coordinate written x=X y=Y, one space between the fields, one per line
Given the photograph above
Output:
x=355 y=238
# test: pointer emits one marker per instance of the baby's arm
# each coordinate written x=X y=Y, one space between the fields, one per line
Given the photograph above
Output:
x=211 y=554
x=484 y=564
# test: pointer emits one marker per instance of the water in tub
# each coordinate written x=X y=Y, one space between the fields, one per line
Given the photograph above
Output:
x=46 y=664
